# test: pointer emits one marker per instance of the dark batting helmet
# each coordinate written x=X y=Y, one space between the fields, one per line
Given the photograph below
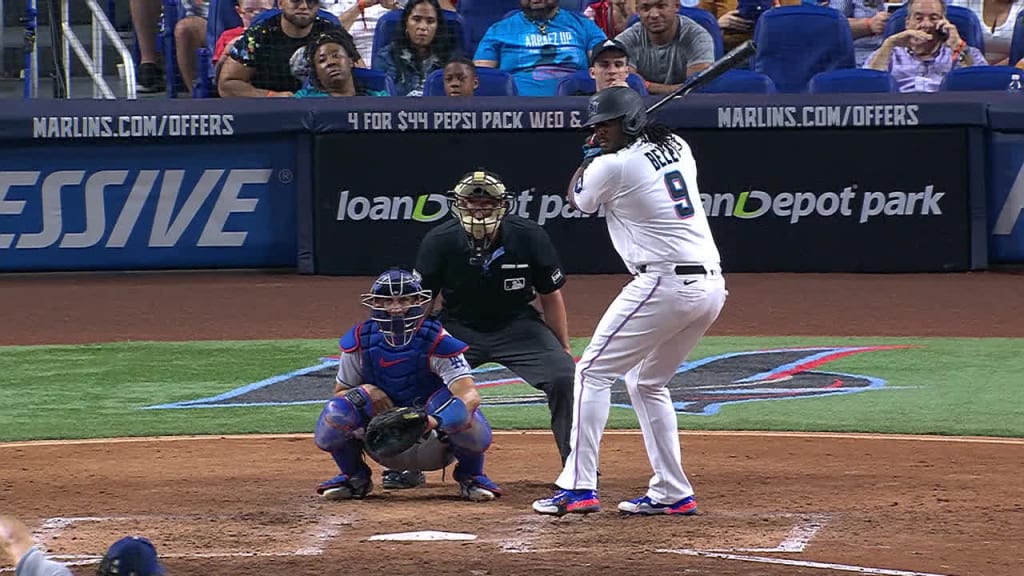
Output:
x=618 y=102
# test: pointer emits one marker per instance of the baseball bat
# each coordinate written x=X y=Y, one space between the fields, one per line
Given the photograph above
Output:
x=736 y=56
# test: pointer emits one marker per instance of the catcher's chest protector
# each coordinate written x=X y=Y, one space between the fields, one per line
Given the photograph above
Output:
x=403 y=373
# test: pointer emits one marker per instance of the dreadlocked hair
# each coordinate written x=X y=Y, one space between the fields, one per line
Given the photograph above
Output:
x=338 y=36
x=657 y=134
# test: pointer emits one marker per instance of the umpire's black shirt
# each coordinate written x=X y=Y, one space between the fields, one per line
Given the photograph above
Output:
x=486 y=296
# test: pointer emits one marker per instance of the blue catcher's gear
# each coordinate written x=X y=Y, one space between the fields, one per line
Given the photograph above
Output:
x=396 y=302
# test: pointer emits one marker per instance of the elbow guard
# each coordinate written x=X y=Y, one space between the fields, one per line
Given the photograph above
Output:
x=452 y=416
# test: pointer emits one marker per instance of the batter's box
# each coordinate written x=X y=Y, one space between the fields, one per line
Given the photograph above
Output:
x=707 y=531
x=191 y=536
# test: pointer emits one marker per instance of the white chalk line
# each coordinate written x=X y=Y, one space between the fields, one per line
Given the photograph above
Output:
x=800 y=563
x=794 y=542
x=736 y=433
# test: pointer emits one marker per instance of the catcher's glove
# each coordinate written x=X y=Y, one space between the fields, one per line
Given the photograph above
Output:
x=394 y=431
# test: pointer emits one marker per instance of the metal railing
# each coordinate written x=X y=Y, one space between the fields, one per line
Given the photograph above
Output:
x=101 y=27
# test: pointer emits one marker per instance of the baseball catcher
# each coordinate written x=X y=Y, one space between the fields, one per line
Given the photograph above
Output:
x=404 y=396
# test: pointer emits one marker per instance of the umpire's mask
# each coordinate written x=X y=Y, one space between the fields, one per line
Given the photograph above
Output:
x=480 y=203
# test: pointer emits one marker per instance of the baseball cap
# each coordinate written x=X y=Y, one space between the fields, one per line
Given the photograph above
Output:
x=131 y=556
x=603 y=47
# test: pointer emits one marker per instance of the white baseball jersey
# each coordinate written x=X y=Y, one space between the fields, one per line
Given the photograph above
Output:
x=653 y=207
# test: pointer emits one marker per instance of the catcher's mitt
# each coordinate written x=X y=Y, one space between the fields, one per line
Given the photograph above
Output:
x=394 y=431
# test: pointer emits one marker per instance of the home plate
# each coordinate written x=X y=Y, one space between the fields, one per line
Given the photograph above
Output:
x=425 y=535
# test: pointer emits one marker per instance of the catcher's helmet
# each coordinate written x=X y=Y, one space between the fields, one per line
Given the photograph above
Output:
x=480 y=202
x=618 y=102
x=396 y=302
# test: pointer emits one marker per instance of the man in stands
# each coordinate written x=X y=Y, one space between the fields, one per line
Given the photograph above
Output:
x=666 y=47
x=258 y=63
x=539 y=46
x=920 y=57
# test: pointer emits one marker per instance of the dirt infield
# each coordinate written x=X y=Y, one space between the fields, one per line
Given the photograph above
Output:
x=818 y=503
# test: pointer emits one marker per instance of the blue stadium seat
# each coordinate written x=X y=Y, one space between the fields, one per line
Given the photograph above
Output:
x=222 y=16
x=1017 y=43
x=979 y=78
x=739 y=81
x=850 y=81
x=574 y=5
x=964 y=19
x=796 y=42
x=478 y=15
x=582 y=82
x=493 y=82
x=375 y=80
x=702 y=17
x=388 y=23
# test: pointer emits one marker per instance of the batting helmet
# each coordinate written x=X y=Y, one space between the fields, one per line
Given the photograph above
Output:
x=396 y=302
x=618 y=102
x=480 y=202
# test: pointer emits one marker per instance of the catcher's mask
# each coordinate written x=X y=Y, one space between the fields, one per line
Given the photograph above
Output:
x=396 y=302
x=480 y=202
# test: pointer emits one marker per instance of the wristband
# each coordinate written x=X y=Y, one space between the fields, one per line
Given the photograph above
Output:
x=452 y=416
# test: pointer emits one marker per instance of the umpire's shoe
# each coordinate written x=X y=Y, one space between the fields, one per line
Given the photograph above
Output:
x=345 y=487
x=568 y=502
x=401 y=479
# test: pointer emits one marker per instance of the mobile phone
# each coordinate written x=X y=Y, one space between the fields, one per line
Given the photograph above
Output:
x=891 y=7
x=940 y=34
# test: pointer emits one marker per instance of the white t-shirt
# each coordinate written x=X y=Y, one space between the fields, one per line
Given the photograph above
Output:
x=363 y=27
x=997 y=42
x=652 y=205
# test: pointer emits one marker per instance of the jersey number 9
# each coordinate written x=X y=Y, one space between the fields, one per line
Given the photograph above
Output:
x=676 y=187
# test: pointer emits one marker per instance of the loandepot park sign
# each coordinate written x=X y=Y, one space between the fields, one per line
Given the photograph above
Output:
x=700 y=387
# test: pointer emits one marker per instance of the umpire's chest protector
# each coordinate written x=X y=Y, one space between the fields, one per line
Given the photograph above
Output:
x=403 y=373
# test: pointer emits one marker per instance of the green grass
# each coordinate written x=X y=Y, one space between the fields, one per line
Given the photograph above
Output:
x=941 y=386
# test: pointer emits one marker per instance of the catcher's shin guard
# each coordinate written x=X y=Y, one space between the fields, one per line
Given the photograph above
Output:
x=340 y=416
x=472 y=439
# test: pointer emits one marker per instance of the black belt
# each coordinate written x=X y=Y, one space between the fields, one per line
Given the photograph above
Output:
x=680 y=270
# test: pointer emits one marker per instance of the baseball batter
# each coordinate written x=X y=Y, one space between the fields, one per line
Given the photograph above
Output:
x=646 y=178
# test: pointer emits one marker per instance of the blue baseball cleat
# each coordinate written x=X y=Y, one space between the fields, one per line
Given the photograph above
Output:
x=568 y=502
x=647 y=507
x=345 y=487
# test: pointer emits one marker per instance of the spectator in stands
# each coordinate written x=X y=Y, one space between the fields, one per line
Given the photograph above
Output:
x=611 y=16
x=189 y=37
x=997 y=17
x=539 y=46
x=258 y=62
x=735 y=28
x=329 y=60
x=422 y=44
x=145 y=17
x=609 y=66
x=867 y=22
x=360 y=18
x=666 y=46
x=247 y=10
x=460 y=77
x=29 y=560
x=921 y=56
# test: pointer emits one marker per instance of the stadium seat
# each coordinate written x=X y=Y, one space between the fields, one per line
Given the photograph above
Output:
x=702 y=17
x=738 y=81
x=574 y=5
x=1017 y=44
x=796 y=42
x=375 y=80
x=478 y=15
x=979 y=78
x=493 y=82
x=388 y=23
x=964 y=19
x=222 y=16
x=851 y=81
x=582 y=82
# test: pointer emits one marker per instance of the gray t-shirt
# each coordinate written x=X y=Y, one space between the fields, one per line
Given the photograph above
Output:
x=667 y=64
x=35 y=563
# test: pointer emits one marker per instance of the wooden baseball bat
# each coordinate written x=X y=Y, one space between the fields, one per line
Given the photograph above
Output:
x=736 y=56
